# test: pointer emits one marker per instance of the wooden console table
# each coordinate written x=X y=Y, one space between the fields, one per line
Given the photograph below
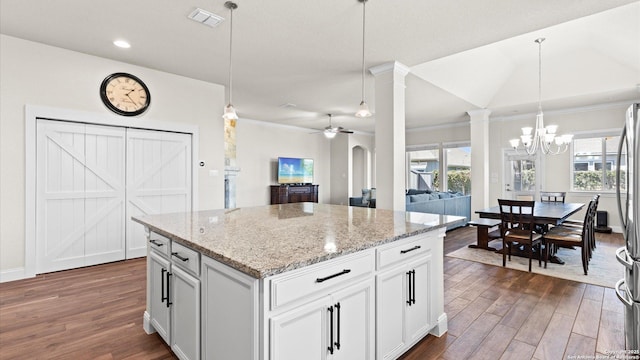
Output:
x=283 y=194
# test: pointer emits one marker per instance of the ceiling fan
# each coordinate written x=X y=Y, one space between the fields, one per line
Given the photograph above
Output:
x=330 y=131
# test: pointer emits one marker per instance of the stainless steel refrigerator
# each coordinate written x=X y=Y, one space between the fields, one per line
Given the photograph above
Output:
x=628 y=194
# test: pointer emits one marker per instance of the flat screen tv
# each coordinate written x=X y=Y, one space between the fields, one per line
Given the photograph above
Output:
x=295 y=171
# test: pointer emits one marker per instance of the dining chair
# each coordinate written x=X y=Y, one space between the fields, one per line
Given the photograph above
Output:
x=517 y=227
x=578 y=225
x=567 y=236
x=548 y=196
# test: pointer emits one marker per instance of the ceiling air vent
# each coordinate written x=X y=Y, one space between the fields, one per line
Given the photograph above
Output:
x=205 y=17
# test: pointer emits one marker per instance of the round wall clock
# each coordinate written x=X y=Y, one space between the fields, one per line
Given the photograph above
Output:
x=125 y=94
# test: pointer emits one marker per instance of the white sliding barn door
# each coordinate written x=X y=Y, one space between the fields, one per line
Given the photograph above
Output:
x=80 y=195
x=158 y=179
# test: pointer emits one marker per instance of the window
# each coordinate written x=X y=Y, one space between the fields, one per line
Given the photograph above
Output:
x=458 y=165
x=595 y=162
x=426 y=164
x=423 y=169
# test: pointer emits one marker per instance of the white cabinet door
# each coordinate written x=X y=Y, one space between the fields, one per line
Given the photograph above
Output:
x=301 y=333
x=158 y=179
x=404 y=306
x=230 y=320
x=391 y=298
x=418 y=315
x=354 y=322
x=185 y=314
x=80 y=195
x=159 y=270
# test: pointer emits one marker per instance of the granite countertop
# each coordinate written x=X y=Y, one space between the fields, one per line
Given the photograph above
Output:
x=267 y=240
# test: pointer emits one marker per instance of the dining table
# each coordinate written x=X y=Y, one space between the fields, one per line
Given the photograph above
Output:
x=544 y=214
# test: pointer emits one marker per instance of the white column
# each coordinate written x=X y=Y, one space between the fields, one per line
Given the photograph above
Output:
x=479 y=159
x=390 y=135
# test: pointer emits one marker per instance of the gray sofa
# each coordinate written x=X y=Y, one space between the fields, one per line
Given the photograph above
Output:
x=439 y=203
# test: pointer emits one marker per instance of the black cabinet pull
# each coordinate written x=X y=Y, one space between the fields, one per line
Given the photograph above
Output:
x=346 y=271
x=169 y=303
x=413 y=296
x=162 y=297
x=180 y=257
x=409 y=295
x=337 y=343
x=330 y=348
x=409 y=250
x=156 y=243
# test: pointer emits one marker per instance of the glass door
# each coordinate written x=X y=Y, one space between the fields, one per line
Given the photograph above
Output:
x=520 y=181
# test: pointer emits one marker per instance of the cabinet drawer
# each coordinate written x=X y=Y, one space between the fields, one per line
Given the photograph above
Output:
x=402 y=250
x=185 y=258
x=319 y=278
x=159 y=243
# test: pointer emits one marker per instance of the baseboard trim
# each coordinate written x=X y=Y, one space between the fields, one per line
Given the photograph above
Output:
x=13 y=275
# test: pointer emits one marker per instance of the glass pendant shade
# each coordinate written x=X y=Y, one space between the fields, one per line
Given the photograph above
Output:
x=230 y=113
x=363 y=111
x=330 y=134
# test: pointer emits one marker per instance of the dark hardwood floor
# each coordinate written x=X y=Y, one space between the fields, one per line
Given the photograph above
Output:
x=494 y=313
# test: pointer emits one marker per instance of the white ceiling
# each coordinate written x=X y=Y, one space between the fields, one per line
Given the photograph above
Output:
x=463 y=55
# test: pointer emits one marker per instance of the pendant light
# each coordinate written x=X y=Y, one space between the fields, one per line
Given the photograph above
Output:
x=229 y=111
x=363 y=110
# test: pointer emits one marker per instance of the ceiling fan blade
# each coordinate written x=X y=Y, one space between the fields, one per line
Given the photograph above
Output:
x=345 y=131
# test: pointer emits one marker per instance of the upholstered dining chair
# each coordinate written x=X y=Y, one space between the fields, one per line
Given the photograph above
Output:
x=572 y=237
x=548 y=196
x=517 y=227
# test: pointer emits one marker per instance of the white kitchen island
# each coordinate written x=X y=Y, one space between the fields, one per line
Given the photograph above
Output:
x=295 y=281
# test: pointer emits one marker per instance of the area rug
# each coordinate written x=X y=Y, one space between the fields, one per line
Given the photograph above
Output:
x=604 y=269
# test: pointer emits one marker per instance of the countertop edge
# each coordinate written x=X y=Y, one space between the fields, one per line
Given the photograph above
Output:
x=257 y=274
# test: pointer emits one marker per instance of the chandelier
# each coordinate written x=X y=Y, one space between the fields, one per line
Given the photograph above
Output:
x=544 y=138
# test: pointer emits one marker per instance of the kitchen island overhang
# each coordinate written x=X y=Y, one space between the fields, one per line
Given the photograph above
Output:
x=273 y=257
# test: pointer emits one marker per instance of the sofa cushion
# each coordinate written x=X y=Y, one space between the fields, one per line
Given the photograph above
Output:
x=366 y=196
x=444 y=195
x=420 y=197
x=416 y=192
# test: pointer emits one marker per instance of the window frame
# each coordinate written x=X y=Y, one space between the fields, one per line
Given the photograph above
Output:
x=602 y=135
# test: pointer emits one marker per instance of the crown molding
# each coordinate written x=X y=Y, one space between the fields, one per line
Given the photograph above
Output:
x=572 y=110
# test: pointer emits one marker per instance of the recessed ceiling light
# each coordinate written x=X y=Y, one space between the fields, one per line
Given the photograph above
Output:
x=122 y=44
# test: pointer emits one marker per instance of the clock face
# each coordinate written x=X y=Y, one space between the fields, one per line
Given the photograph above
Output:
x=125 y=94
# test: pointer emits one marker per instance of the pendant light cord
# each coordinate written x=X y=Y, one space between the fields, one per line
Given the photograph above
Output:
x=230 y=62
x=364 y=3
x=539 y=41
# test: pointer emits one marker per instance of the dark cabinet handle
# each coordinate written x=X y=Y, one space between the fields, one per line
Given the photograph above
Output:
x=180 y=257
x=337 y=343
x=330 y=348
x=162 y=297
x=156 y=243
x=409 y=288
x=409 y=250
x=169 y=303
x=346 y=271
x=413 y=296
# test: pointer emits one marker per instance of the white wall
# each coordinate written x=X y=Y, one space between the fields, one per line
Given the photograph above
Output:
x=259 y=144
x=438 y=135
x=36 y=74
x=342 y=165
